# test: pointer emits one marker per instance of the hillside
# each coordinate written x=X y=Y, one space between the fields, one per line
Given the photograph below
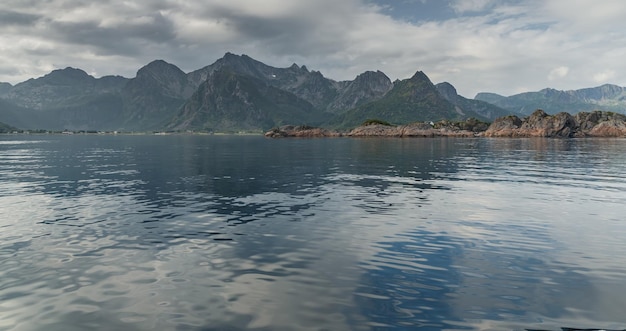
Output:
x=5 y=128
x=410 y=100
x=228 y=101
x=606 y=97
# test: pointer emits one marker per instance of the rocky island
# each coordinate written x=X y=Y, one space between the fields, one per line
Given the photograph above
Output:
x=538 y=124
x=561 y=125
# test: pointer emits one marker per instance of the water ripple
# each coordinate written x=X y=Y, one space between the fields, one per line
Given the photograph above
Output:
x=200 y=233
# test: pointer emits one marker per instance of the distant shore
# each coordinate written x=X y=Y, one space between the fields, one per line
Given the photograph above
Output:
x=538 y=124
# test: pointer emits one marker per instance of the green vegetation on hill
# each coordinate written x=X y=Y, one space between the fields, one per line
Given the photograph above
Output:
x=411 y=100
x=375 y=122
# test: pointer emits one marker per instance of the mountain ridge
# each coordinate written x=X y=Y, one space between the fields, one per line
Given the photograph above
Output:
x=161 y=94
x=606 y=97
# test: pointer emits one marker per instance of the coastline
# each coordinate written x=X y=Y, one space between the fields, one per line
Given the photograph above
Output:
x=599 y=124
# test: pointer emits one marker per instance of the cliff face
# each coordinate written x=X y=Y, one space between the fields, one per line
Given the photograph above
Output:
x=228 y=101
x=368 y=86
x=153 y=96
x=561 y=125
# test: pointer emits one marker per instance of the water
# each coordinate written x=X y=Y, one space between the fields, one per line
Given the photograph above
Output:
x=246 y=233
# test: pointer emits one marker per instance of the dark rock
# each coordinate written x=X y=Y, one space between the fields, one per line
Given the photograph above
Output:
x=301 y=131
x=601 y=124
x=366 y=87
x=231 y=102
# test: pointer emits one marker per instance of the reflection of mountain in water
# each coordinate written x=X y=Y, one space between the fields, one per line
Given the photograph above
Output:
x=441 y=281
x=408 y=283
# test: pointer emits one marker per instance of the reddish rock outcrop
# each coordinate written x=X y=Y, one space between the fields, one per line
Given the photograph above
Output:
x=561 y=125
x=601 y=124
x=538 y=124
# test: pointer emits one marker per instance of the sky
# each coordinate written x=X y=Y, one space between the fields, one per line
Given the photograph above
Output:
x=499 y=46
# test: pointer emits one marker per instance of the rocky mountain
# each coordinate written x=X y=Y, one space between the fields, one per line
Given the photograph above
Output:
x=415 y=99
x=17 y=116
x=230 y=101
x=63 y=99
x=151 y=98
x=311 y=86
x=234 y=93
x=61 y=88
x=366 y=87
x=486 y=110
x=606 y=97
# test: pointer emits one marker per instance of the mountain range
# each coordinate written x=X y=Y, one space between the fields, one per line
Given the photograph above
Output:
x=238 y=93
x=606 y=97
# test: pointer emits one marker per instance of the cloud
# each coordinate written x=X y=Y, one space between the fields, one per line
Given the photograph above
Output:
x=462 y=6
x=9 y=17
x=557 y=73
x=501 y=46
x=604 y=76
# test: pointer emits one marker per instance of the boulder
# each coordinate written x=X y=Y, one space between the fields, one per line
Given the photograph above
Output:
x=540 y=124
x=610 y=128
x=506 y=126
x=601 y=124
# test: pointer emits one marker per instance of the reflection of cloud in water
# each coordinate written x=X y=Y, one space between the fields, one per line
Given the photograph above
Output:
x=346 y=234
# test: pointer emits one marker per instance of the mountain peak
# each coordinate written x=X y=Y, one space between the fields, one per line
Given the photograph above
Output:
x=420 y=76
x=157 y=62
x=230 y=55
x=447 y=91
x=234 y=58
x=160 y=68
x=368 y=75
x=157 y=65
x=68 y=72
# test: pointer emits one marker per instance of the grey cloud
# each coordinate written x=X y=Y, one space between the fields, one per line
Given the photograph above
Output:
x=506 y=47
x=305 y=33
x=8 y=17
x=125 y=39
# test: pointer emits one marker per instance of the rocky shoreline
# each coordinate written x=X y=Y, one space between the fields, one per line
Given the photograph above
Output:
x=538 y=124
x=561 y=125
x=301 y=131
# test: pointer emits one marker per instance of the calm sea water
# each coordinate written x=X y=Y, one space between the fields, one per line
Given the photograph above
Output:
x=246 y=233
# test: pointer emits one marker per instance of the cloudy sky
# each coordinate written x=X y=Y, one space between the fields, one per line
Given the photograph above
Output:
x=502 y=46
